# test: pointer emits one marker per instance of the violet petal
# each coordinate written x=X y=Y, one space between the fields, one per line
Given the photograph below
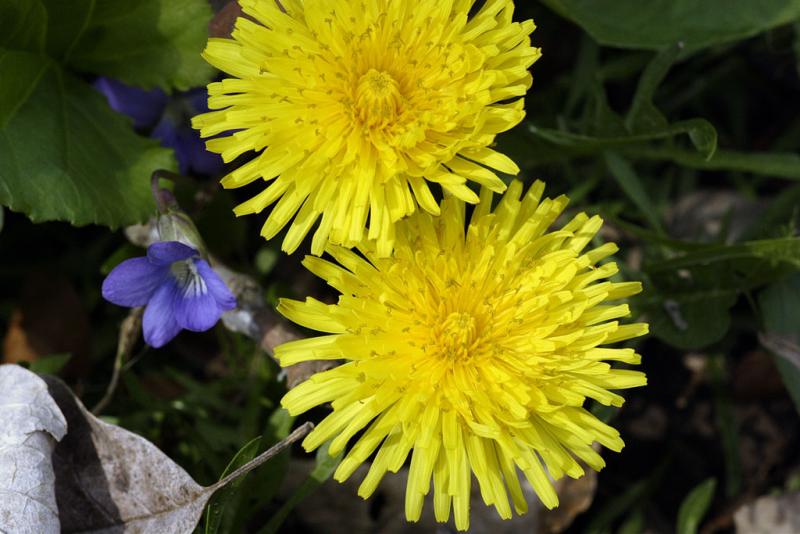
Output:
x=144 y=107
x=159 y=324
x=133 y=282
x=225 y=299
x=168 y=252
x=196 y=309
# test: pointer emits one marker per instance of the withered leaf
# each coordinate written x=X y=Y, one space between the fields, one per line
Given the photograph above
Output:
x=110 y=480
x=30 y=425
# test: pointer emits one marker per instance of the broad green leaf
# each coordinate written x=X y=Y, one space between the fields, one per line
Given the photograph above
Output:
x=220 y=502
x=695 y=506
x=326 y=465
x=21 y=72
x=67 y=156
x=626 y=177
x=66 y=22
x=24 y=23
x=780 y=309
x=146 y=43
x=657 y=23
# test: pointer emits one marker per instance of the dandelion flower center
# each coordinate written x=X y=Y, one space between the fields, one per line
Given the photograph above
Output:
x=378 y=99
x=457 y=336
x=355 y=108
x=477 y=350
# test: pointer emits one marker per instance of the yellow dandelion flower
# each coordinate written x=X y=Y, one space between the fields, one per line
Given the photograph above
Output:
x=355 y=106
x=475 y=350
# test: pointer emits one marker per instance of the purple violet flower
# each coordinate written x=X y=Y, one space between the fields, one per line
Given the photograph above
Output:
x=179 y=288
x=144 y=107
x=167 y=119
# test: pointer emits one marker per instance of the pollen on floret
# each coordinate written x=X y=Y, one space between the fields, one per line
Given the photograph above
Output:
x=357 y=111
x=472 y=349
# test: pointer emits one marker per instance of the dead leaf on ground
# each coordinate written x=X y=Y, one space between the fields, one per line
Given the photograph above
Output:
x=111 y=480
x=575 y=496
x=772 y=514
x=30 y=426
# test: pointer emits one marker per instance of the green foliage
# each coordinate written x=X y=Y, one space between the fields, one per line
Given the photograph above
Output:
x=326 y=465
x=695 y=506
x=681 y=108
x=780 y=309
x=727 y=425
x=147 y=43
x=690 y=295
x=50 y=365
x=221 y=503
x=657 y=23
x=66 y=155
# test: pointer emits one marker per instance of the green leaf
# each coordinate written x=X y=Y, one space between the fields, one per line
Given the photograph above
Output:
x=24 y=23
x=643 y=115
x=221 y=500
x=725 y=419
x=780 y=309
x=147 y=43
x=773 y=251
x=657 y=23
x=67 y=156
x=634 y=523
x=780 y=219
x=688 y=298
x=700 y=132
x=695 y=506
x=50 y=365
x=21 y=72
x=630 y=183
x=781 y=164
x=326 y=465
x=691 y=319
x=605 y=517
x=258 y=490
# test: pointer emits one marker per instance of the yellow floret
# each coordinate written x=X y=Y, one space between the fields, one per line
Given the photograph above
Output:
x=472 y=350
x=354 y=108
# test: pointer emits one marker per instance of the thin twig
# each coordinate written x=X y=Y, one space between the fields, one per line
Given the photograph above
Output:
x=298 y=433
x=128 y=336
